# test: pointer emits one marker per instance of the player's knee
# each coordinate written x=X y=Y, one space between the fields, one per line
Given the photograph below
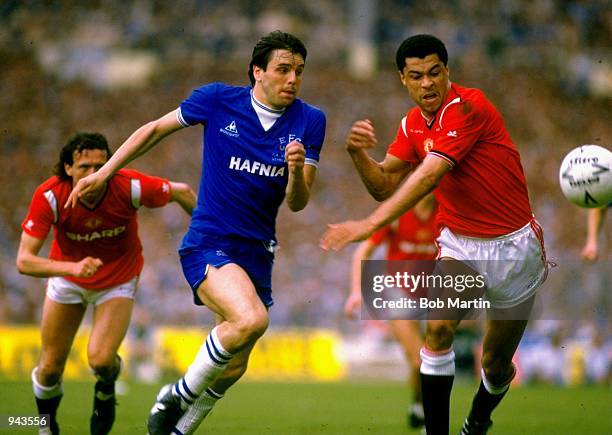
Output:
x=440 y=336
x=252 y=325
x=104 y=365
x=50 y=372
x=498 y=370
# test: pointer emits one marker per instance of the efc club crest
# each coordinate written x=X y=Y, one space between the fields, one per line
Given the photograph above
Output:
x=428 y=144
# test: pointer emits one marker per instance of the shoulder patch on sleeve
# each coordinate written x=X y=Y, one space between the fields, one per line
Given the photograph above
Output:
x=52 y=200
x=135 y=192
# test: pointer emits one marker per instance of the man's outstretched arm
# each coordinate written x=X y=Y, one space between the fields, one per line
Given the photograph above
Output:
x=141 y=141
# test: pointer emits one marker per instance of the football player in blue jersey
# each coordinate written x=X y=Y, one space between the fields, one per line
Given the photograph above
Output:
x=262 y=146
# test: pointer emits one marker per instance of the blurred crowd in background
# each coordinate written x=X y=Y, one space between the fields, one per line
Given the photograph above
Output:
x=110 y=66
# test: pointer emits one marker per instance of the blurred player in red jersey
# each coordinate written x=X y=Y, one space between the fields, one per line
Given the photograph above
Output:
x=455 y=141
x=411 y=237
x=95 y=258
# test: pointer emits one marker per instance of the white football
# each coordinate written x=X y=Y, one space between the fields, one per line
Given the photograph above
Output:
x=586 y=176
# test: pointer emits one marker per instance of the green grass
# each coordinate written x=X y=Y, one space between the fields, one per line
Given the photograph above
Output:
x=331 y=408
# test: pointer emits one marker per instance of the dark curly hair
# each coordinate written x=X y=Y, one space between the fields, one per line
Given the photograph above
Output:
x=78 y=143
x=420 y=46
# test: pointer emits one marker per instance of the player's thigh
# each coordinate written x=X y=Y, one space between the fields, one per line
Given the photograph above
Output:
x=408 y=334
x=229 y=292
x=59 y=325
x=111 y=320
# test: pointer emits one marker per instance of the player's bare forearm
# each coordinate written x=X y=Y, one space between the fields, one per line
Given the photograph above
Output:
x=374 y=175
x=595 y=223
x=43 y=267
x=424 y=179
x=184 y=196
x=30 y=263
x=298 y=191
x=137 y=144
x=301 y=176
x=381 y=179
x=371 y=174
x=140 y=142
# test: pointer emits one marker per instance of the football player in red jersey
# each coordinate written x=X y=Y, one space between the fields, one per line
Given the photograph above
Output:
x=95 y=258
x=411 y=237
x=455 y=141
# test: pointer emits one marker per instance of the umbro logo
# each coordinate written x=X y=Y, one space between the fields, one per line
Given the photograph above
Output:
x=452 y=133
x=230 y=129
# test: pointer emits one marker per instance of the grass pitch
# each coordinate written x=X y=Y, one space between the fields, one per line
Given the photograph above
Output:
x=328 y=408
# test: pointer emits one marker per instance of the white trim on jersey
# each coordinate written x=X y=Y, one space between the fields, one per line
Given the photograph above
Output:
x=135 y=192
x=267 y=116
x=449 y=161
x=311 y=162
x=180 y=119
x=404 y=121
x=456 y=100
x=261 y=105
x=52 y=203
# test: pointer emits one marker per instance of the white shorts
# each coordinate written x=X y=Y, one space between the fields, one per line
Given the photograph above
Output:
x=63 y=291
x=513 y=265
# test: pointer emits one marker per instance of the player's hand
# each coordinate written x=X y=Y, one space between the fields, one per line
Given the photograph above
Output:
x=590 y=252
x=87 y=267
x=86 y=186
x=339 y=235
x=361 y=136
x=295 y=156
x=352 y=305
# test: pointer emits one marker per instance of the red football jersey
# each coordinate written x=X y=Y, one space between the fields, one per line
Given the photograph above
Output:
x=485 y=194
x=409 y=238
x=108 y=232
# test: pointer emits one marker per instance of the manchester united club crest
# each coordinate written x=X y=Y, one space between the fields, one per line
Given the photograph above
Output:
x=428 y=144
x=423 y=235
x=93 y=222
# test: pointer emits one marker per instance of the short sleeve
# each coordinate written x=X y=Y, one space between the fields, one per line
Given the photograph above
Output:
x=400 y=147
x=314 y=137
x=198 y=107
x=148 y=190
x=41 y=214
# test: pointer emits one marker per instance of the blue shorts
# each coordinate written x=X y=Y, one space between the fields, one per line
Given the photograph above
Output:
x=254 y=256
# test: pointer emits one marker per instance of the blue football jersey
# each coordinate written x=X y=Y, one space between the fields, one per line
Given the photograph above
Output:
x=244 y=174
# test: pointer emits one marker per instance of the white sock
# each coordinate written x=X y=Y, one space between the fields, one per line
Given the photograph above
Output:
x=495 y=389
x=437 y=363
x=197 y=412
x=209 y=363
x=44 y=392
